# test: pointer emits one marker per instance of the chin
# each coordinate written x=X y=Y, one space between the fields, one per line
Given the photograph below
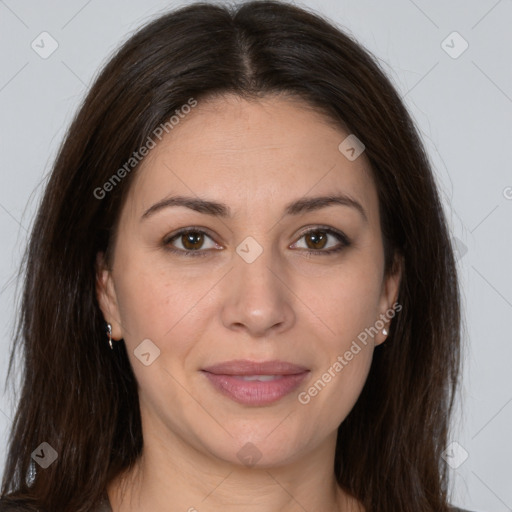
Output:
x=261 y=447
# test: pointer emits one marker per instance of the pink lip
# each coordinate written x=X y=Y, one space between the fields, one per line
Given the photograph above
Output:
x=227 y=378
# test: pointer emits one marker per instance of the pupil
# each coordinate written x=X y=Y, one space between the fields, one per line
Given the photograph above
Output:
x=317 y=239
x=194 y=239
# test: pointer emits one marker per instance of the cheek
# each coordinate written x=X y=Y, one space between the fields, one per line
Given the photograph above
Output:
x=347 y=305
x=345 y=301
x=334 y=389
x=158 y=303
x=170 y=310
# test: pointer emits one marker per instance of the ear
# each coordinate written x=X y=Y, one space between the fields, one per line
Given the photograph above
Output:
x=106 y=295
x=388 y=305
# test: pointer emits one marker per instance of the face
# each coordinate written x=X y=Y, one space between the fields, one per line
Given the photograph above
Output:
x=267 y=274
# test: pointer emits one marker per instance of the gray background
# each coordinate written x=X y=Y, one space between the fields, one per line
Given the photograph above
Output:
x=462 y=105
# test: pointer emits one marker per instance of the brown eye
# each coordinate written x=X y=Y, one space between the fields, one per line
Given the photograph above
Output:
x=317 y=241
x=189 y=242
x=192 y=240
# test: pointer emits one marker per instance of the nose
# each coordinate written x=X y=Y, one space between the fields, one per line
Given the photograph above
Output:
x=258 y=298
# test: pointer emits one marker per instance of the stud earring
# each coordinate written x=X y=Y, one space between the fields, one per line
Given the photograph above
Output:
x=385 y=331
x=109 y=334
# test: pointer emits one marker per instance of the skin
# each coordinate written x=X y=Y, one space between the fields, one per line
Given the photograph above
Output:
x=256 y=157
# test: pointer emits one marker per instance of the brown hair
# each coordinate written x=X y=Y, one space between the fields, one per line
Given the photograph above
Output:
x=82 y=398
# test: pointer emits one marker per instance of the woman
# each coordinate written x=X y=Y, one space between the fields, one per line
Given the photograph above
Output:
x=240 y=292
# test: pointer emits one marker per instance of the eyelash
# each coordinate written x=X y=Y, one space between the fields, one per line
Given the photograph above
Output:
x=341 y=237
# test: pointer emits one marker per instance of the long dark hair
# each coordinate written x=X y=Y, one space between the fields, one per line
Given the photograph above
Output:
x=82 y=398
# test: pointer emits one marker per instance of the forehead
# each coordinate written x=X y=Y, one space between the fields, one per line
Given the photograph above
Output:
x=250 y=153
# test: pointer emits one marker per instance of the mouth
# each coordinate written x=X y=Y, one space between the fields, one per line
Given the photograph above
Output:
x=255 y=383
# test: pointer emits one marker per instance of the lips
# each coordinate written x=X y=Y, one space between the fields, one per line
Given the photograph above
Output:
x=244 y=367
x=255 y=383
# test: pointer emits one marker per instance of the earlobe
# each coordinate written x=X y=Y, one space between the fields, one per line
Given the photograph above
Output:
x=106 y=295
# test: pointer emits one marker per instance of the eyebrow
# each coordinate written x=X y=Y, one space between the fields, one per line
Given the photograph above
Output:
x=216 y=209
